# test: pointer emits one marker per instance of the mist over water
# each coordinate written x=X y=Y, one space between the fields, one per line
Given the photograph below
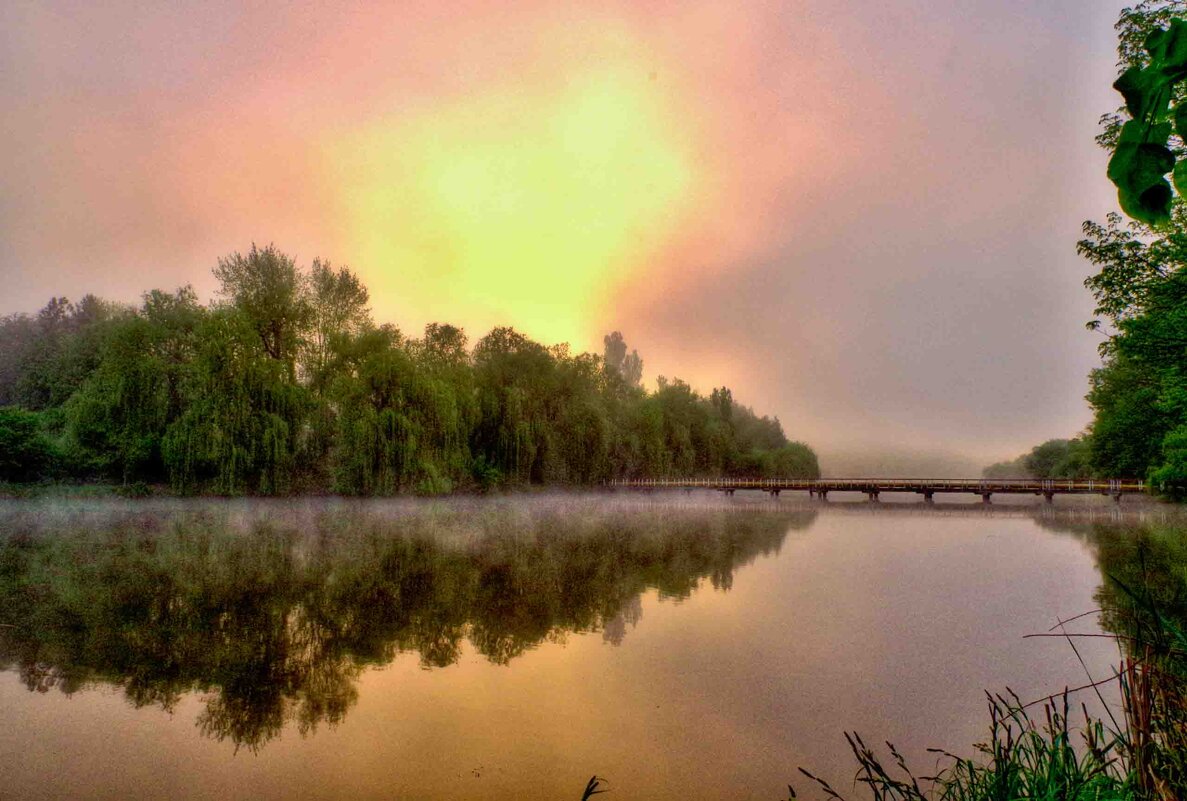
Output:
x=680 y=645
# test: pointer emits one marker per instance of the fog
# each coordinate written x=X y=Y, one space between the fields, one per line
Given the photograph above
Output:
x=868 y=215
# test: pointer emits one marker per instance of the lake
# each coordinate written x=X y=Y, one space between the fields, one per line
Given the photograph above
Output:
x=681 y=646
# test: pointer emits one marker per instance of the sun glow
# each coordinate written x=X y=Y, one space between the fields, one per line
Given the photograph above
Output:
x=515 y=207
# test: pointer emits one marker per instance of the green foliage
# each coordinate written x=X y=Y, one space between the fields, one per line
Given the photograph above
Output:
x=25 y=452
x=1059 y=458
x=1133 y=259
x=1170 y=477
x=1139 y=394
x=287 y=385
x=47 y=357
x=241 y=428
x=337 y=303
x=1014 y=468
x=1141 y=155
x=1055 y=458
x=401 y=425
x=266 y=288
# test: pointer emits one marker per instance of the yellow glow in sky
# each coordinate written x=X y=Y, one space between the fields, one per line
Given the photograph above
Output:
x=514 y=207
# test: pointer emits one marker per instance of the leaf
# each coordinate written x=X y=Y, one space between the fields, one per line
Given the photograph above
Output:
x=1180 y=119
x=1138 y=167
x=1173 y=51
x=1140 y=160
x=1151 y=162
x=1152 y=206
x=1136 y=85
x=1180 y=177
x=1156 y=43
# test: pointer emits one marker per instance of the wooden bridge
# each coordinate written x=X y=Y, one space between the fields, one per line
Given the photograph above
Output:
x=872 y=487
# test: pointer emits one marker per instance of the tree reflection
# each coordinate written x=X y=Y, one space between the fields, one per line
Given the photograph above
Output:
x=275 y=619
x=1143 y=564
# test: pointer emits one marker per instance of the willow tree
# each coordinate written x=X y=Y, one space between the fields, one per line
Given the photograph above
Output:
x=514 y=376
x=243 y=420
x=401 y=425
x=117 y=419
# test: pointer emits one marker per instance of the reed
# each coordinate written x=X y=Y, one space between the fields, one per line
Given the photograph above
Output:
x=1022 y=758
x=1141 y=757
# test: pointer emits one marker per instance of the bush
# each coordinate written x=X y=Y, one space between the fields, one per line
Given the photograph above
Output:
x=25 y=452
x=1170 y=478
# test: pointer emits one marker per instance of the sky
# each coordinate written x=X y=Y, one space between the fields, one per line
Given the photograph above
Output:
x=859 y=216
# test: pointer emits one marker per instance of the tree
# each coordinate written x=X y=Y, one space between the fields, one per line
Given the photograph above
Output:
x=116 y=420
x=242 y=425
x=1170 y=477
x=337 y=306
x=266 y=287
x=617 y=362
x=65 y=344
x=443 y=344
x=25 y=452
x=1055 y=458
x=1139 y=394
x=18 y=332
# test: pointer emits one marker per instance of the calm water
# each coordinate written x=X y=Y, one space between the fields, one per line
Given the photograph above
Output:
x=682 y=647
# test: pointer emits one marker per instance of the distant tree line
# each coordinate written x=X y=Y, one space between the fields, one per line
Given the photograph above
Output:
x=1055 y=458
x=285 y=384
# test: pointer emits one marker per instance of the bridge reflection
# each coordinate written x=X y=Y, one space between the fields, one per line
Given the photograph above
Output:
x=872 y=487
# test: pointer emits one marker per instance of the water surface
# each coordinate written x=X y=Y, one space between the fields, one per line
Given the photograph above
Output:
x=681 y=646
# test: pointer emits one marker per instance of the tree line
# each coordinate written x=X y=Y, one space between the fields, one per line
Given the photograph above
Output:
x=285 y=384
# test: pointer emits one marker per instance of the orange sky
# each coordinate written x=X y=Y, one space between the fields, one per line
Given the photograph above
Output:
x=860 y=217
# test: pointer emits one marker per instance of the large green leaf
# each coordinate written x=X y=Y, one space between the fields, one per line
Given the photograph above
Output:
x=1169 y=56
x=1180 y=177
x=1141 y=90
x=1138 y=166
x=1180 y=118
x=1151 y=206
x=1141 y=157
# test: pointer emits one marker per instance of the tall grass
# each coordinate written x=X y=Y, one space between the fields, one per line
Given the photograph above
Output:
x=1141 y=757
x=1022 y=759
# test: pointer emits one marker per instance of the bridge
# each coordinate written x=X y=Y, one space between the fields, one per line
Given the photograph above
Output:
x=872 y=487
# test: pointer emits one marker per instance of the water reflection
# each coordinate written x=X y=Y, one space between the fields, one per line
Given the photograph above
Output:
x=273 y=611
x=1143 y=564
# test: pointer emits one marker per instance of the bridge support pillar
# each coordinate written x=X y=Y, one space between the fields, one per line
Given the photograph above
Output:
x=823 y=494
x=929 y=496
x=873 y=496
x=1050 y=496
x=774 y=493
x=811 y=493
x=729 y=492
x=985 y=497
x=1117 y=498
